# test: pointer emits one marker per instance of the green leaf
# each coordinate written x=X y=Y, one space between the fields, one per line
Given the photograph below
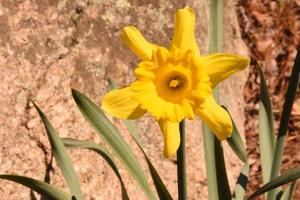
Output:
x=46 y=190
x=61 y=156
x=288 y=193
x=236 y=143
x=217 y=181
x=128 y=123
x=132 y=130
x=215 y=25
x=111 y=84
x=79 y=144
x=109 y=133
x=160 y=187
x=241 y=185
x=291 y=175
x=266 y=128
x=285 y=116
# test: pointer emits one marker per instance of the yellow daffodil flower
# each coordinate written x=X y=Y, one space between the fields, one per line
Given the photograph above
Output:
x=175 y=83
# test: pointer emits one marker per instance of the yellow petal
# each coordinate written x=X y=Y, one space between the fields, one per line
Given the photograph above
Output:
x=143 y=74
x=135 y=41
x=184 y=31
x=119 y=103
x=188 y=109
x=219 y=66
x=216 y=118
x=161 y=56
x=171 y=134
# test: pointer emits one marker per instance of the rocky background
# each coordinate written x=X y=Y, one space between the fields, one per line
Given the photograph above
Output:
x=48 y=47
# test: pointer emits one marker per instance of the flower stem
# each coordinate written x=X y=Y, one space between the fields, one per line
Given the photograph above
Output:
x=186 y=3
x=181 y=167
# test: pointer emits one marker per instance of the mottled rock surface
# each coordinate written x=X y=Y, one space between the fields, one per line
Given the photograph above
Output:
x=48 y=47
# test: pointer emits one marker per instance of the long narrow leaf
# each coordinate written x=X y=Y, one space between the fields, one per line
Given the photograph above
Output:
x=288 y=193
x=80 y=144
x=211 y=174
x=128 y=123
x=46 y=190
x=287 y=177
x=218 y=186
x=160 y=187
x=236 y=143
x=215 y=25
x=61 y=156
x=241 y=185
x=109 y=133
x=266 y=129
x=285 y=116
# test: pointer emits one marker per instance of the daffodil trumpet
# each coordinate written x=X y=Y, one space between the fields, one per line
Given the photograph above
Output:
x=175 y=83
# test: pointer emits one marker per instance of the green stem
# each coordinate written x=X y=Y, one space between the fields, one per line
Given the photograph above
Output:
x=181 y=166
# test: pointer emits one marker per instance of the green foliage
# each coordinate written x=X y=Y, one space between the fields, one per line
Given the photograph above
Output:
x=79 y=144
x=288 y=193
x=271 y=148
x=285 y=116
x=266 y=129
x=217 y=181
x=160 y=187
x=61 y=156
x=110 y=135
x=46 y=190
x=241 y=184
x=290 y=176
x=236 y=143
x=218 y=186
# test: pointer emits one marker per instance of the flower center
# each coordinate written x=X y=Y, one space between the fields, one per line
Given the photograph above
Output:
x=175 y=83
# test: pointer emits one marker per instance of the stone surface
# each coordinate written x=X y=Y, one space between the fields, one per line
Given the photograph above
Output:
x=48 y=47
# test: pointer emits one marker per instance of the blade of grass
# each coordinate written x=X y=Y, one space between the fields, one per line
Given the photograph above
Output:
x=266 y=128
x=80 y=144
x=160 y=187
x=61 y=156
x=109 y=133
x=236 y=143
x=241 y=185
x=291 y=175
x=285 y=116
x=46 y=190
x=288 y=193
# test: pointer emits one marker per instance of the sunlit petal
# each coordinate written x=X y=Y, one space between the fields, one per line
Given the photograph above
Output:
x=119 y=103
x=216 y=118
x=135 y=41
x=184 y=31
x=220 y=66
x=171 y=134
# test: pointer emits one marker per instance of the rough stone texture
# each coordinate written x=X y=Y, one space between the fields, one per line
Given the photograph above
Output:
x=48 y=47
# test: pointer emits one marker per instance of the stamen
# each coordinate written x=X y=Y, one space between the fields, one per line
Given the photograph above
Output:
x=175 y=83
